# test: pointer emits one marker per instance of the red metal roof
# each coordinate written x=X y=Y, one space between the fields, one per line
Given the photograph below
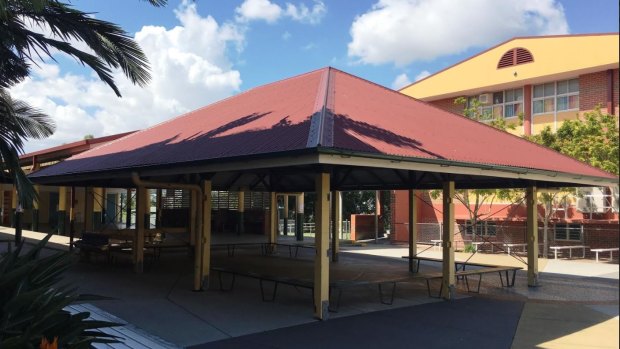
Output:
x=326 y=108
x=66 y=150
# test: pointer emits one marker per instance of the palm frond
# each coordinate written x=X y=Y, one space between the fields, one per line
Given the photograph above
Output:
x=112 y=47
x=18 y=122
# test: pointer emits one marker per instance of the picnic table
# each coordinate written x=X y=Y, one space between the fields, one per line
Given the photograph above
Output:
x=438 y=242
x=510 y=246
x=570 y=249
x=610 y=250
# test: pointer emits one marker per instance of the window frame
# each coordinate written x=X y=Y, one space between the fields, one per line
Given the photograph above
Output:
x=555 y=96
x=482 y=228
x=491 y=108
x=566 y=233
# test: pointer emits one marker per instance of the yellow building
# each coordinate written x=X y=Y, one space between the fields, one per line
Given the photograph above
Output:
x=547 y=79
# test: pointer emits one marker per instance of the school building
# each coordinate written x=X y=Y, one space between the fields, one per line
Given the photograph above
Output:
x=533 y=83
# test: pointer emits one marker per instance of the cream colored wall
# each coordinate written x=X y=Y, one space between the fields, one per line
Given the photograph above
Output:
x=553 y=120
x=481 y=71
x=540 y=121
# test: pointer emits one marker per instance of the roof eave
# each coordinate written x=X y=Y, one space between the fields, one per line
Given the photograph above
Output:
x=344 y=157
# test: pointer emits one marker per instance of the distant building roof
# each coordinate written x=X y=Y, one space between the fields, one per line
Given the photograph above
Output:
x=323 y=111
x=521 y=61
x=64 y=151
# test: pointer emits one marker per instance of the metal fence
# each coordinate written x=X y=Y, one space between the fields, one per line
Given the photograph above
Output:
x=345 y=234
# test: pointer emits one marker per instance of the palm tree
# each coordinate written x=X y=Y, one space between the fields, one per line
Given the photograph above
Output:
x=110 y=47
x=19 y=121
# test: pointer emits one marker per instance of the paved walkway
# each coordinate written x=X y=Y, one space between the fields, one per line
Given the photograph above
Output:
x=576 y=306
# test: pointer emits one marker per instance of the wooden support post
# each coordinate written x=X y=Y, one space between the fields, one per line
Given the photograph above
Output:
x=285 y=214
x=17 y=213
x=336 y=224
x=413 y=230
x=62 y=210
x=158 y=207
x=448 y=280
x=241 y=213
x=138 y=242
x=146 y=216
x=88 y=209
x=35 y=209
x=98 y=201
x=272 y=234
x=72 y=219
x=128 y=209
x=198 y=242
x=299 y=219
x=13 y=206
x=193 y=225
x=2 y=206
x=532 y=237
x=206 y=234
x=377 y=213
x=321 y=260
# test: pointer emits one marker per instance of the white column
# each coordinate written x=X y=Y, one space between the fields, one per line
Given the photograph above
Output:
x=448 y=279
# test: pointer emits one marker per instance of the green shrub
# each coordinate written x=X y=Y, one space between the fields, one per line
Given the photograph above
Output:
x=469 y=248
x=32 y=302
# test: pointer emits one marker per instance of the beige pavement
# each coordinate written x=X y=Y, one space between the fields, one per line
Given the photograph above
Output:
x=565 y=325
x=583 y=320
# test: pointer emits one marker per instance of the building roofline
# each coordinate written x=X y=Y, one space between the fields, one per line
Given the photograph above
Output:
x=64 y=148
x=500 y=44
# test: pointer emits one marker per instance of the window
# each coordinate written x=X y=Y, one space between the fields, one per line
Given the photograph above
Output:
x=514 y=103
x=483 y=228
x=568 y=95
x=570 y=232
x=552 y=96
x=507 y=104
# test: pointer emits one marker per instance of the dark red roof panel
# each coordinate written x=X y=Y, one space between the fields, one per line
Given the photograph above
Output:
x=326 y=108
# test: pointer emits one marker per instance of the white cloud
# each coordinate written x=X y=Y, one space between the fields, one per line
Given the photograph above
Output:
x=302 y=13
x=422 y=75
x=286 y=35
x=265 y=10
x=252 y=10
x=404 y=31
x=309 y=46
x=400 y=81
x=190 y=68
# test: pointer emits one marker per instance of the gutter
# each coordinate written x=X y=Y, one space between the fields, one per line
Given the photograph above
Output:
x=448 y=163
x=135 y=178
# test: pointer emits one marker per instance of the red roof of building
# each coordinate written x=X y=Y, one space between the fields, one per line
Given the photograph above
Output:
x=64 y=151
x=326 y=108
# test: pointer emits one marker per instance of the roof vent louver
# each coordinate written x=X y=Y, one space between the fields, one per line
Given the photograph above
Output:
x=515 y=56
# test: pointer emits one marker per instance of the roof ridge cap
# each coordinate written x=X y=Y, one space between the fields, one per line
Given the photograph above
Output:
x=320 y=125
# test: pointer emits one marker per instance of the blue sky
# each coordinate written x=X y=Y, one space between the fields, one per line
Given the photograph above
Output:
x=203 y=51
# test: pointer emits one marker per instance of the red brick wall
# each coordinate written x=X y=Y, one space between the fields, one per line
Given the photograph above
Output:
x=448 y=104
x=363 y=226
x=592 y=90
x=601 y=235
x=616 y=92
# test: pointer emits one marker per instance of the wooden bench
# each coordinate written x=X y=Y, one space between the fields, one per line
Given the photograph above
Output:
x=266 y=248
x=94 y=243
x=610 y=250
x=9 y=243
x=570 y=250
x=232 y=247
x=503 y=271
x=292 y=247
x=334 y=286
x=458 y=265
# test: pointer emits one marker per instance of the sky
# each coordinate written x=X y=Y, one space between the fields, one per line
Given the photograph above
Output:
x=203 y=51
